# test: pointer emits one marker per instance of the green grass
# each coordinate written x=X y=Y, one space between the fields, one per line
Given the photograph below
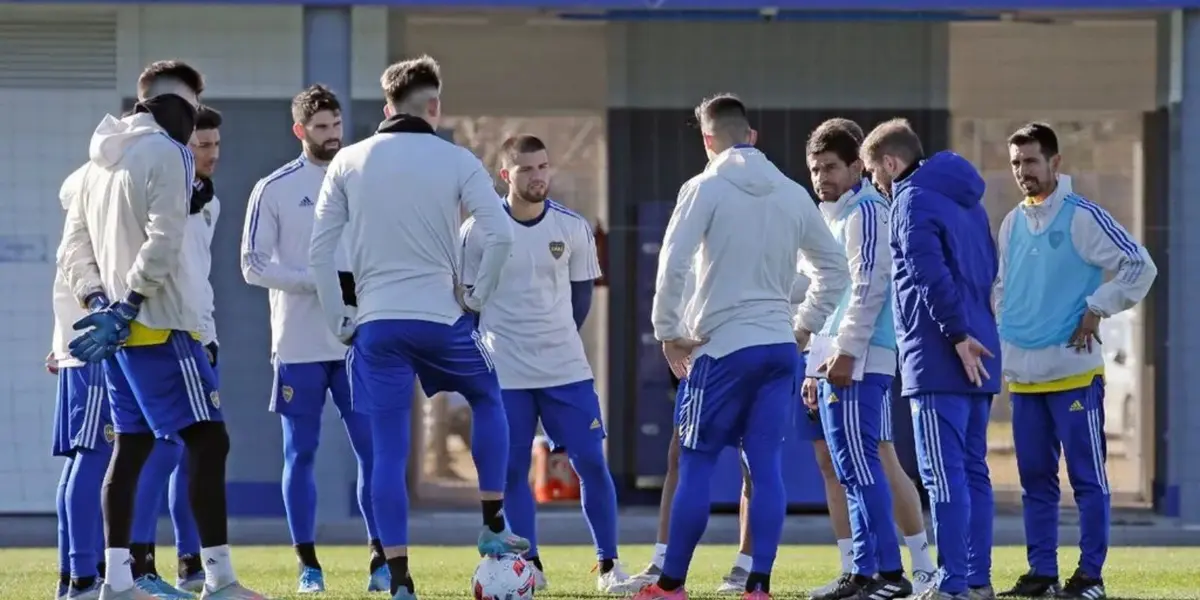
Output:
x=443 y=573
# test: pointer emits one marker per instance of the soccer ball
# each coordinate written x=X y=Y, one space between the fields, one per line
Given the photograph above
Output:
x=504 y=577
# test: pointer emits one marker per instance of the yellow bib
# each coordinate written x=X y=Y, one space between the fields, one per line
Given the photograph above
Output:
x=1073 y=382
x=140 y=335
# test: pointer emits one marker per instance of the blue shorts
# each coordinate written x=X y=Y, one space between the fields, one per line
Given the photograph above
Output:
x=387 y=354
x=750 y=392
x=301 y=388
x=162 y=388
x=885 y=416
x=82 y=418
x=570 y=414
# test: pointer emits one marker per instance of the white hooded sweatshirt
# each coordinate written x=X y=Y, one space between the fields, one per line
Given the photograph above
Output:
x=125 y=232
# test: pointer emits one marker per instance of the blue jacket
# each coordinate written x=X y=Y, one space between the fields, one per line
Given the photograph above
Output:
x=944 y=263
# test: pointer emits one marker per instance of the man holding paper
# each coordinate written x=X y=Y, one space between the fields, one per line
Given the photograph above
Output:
x=852 y=362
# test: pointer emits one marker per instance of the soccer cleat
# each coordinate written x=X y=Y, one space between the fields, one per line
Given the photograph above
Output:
x=233 y=591
x=62 y=591
x=381 y=580
x=505 y=542
x=734 y=582
x=984 y=592
x=617 y=582
x=883 y=589
x=1031 y=585
x=158 y=587
x=923 y=580
x=193 y=583
x=91 y=593
x=756 y=595
x=650 y=574
x=847 y=586
x=827 y=588
x=539 y=578
x=653 y=592
x=404 y=594
x=935 y=594
x=312 y=581
x=133 y=593
x=1083 y=587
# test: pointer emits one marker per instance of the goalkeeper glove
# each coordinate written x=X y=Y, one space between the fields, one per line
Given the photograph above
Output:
x=107 y=328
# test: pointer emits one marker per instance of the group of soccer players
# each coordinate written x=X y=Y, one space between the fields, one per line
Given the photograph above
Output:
x=375 y=279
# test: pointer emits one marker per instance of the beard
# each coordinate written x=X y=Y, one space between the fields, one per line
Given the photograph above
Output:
x=534 y=196
x=323 y=152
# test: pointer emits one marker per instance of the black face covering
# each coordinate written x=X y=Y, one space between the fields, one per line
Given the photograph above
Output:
x=202 y=194
x=174 y=114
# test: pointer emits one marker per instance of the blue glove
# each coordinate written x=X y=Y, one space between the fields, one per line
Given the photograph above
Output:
x=106 y=330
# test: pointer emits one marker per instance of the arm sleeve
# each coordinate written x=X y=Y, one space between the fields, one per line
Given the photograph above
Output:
x=799 y=289
x=584 y=263
x=329 y=220
x=830 y=274
x=259 y=237
x=921 y=242
x=493 y=227
x=472 y=253
x=208 y=321
x=1002 y=258
x=168 y=198
x=685 y=232
x=870 y=271
x=1102 y=242
x=76 y=258
x=581 y=301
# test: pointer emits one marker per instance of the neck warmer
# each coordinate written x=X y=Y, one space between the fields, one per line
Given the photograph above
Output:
x=175 y=115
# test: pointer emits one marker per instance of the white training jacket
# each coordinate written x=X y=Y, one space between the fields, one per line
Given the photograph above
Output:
x=197 y=252
x=400 y=197
x=67 y=308
x=275 y=247
x=126 y=230
x=1101 y=241
x=749 y=224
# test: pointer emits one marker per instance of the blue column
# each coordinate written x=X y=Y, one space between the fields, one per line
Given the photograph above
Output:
x=327 y=60
x=1181 y=494
x=327 y=52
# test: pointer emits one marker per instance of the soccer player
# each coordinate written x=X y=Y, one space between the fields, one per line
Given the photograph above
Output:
x=739 y=348
x=166 y=469
x=944 y=263
x=1055 y=250
x=530 y=329
x=122 y=257
x=401 y=194
x=83 y=434
x=309 y=360
x=855 y=359
x=834 y=173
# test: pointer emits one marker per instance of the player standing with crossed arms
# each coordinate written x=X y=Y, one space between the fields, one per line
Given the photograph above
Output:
x=309 y=361
x=530 y=328
x=400 y=195
x=739 y=352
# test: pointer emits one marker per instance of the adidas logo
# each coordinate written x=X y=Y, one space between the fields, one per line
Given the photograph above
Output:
x=596 y=424
x=306 y=201
x=212 y=562
x=1076 y=406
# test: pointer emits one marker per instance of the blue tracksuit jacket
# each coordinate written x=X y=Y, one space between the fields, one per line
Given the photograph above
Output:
x=944 y=263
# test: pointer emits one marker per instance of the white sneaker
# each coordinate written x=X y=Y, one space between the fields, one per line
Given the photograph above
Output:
x=650 y=575
x=734 y=582
x=618 y=582
x=923 y=580
x=539 y=578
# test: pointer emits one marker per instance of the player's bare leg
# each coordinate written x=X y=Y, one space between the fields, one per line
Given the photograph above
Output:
x=839 y=514
x=909 y=518
x=670 y=482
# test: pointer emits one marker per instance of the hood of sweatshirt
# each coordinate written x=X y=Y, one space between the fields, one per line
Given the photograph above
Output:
x=114 y=136
x=748 y=169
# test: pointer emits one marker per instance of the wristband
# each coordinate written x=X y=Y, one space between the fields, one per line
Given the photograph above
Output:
x=134 y=299
x=95 y=301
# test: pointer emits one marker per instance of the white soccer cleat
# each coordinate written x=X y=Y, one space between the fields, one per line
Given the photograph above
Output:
x=620 y=583
x=539 y=578
x=923 y=580
x=650 y=575
x=734 y=582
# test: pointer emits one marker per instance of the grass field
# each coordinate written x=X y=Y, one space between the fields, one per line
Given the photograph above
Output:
x=443 y=573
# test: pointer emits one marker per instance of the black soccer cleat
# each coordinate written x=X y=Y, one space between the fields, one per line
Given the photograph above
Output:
x=846 y=586
x=885 y=589
x=1032 y=585
x=1082 y=587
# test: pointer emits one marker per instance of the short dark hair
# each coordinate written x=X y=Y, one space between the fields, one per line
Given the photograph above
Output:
x=520 y=144
x=208 y=117
x=314 y=99
x=837 y=137
x=1036 y=133
x=720 y=107
x=402 y=79
x=850 y=126
x=178 y=70
x=892 y=138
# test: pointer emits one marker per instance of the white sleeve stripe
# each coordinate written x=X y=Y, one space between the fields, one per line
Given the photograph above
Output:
x=870 y=234
x=1119 y=238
